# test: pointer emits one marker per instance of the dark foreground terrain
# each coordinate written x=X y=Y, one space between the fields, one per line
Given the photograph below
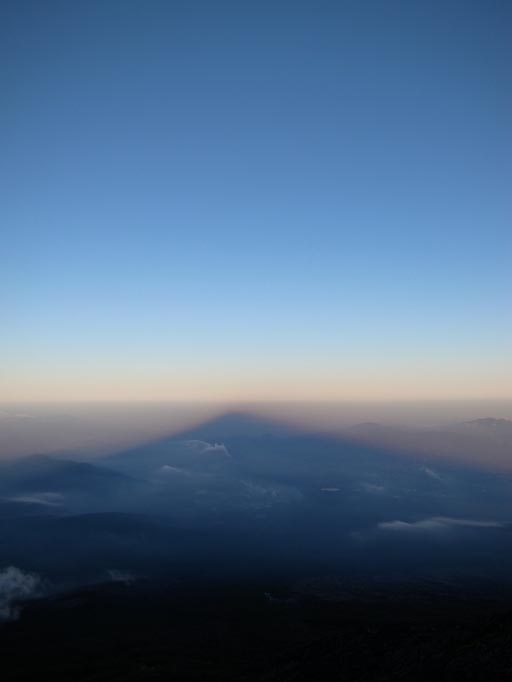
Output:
x=183 y=631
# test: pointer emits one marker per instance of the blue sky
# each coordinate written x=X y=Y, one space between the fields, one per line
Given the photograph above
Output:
x=255 y=200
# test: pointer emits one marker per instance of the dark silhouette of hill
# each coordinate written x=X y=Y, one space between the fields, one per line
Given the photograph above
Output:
x=216 y=631
x=60 y=486
x=41 y=472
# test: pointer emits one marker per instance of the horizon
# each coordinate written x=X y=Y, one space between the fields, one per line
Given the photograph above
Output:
x=86 y=430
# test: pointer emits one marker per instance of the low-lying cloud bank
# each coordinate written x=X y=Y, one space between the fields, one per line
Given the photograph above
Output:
x=16 y=586
x=436 y=523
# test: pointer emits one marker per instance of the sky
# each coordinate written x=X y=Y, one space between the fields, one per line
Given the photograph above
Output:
x=255 y=201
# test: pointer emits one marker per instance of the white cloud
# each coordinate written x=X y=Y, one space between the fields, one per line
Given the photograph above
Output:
x=431 y=473
x=16 y=585
x=373 y=488
x=169 y=470
x=43 y=499
x=202 y=447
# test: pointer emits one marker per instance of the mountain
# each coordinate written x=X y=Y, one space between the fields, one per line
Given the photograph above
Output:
x=486 y=443
x=498 y=431
x=85 y=547
x=59 y=486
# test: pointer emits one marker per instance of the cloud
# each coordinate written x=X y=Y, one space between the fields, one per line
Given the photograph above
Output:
x=435 y=523
x=202 y=447
x=15 y=586
x=118 y=576
x=470 y=523
x=9 y=416
x=425 y=524
x=43 y=499
x=171 y=475
x=169 y=470
x=196 y=460
x=372 y=488
x=431 y=473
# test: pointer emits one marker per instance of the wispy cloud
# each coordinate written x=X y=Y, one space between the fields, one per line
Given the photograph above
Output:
x=14 y=416
x=117 y=576
x=202 y=447
x=372 y=488
x=43 y=499
x=16 y=585
x=171 y=471
x=436 y=523
x=431 y=473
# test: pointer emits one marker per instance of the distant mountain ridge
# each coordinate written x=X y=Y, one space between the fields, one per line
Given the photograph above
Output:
x=483 y=442
x=61 y=485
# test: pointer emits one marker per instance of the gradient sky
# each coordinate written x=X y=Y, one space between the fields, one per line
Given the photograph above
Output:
x=239 y=200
